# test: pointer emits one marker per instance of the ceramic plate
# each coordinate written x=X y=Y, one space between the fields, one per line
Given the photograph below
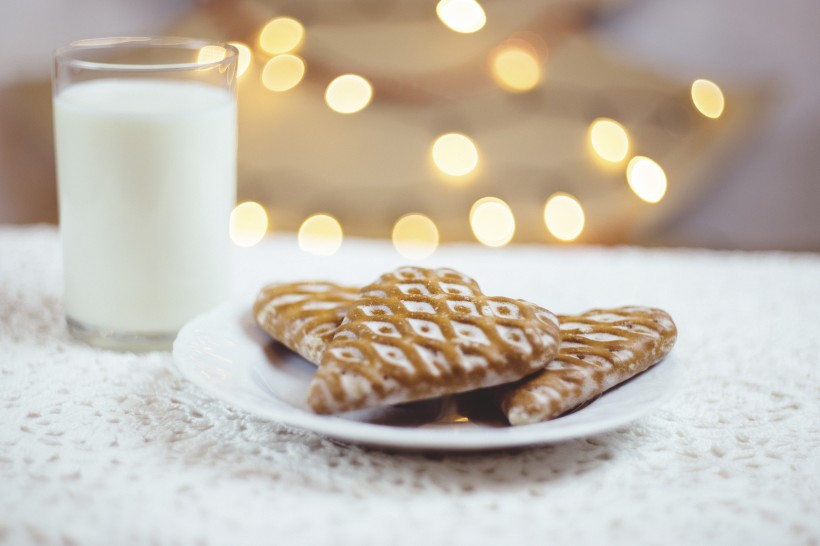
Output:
x=226 y=354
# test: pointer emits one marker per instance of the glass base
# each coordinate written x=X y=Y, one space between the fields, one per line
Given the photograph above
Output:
x=121 y=341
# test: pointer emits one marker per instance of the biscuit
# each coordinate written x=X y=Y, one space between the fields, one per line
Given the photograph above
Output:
x=303 y=315
x=419 y=333
x=599 y=349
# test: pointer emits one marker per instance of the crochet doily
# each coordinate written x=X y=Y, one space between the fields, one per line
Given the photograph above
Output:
x=106 y=448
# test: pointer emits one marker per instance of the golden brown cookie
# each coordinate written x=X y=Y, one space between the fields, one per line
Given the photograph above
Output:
x=303 y=315
x=420 y=333
x=599 y=349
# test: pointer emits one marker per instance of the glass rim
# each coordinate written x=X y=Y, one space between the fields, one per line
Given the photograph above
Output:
x=63 y=54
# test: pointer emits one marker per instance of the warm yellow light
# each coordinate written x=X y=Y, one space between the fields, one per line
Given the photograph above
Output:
x=211 y=54
x=415 y=236
x=348 y=94
x=463 y=16
x=283 y=72
x=455 y=154
x=564 y=216
x=281 y=35
x=243 y=61
x=708 y=98
x=609 y=139
x=646 y=178
x=249 y=223
x=320 y=234
x=516 y=69
x=492 y=221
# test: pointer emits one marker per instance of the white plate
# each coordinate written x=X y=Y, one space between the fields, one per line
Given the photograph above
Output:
x=225 y=353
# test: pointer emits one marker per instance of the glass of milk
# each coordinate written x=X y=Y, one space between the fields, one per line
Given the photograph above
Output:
x=145 y=137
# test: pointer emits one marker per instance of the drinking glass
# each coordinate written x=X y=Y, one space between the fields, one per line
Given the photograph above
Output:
x=145 y=141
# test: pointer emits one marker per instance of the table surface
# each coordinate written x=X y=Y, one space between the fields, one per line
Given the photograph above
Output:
x=98 y=447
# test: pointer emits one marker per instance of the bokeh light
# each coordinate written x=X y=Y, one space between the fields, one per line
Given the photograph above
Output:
x=464 y=16
x=348 y=94
x=281 y=35
x=492 y=221
x=516 y=69
x=646 y=178
x=283 y=72
x=564 y=216
x=249 y=224
x=320 y=234
x=609 y=140
x=455 y=154
x=211 y=54
x=244 y=59
x=415 y=236
x=708 y=98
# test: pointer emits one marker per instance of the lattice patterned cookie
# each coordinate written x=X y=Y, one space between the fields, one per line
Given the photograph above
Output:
x=599 y=349
x=420 y=333
x=303 y=315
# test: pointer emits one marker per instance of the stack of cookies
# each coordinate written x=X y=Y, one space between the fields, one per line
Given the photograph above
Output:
x=418 y=333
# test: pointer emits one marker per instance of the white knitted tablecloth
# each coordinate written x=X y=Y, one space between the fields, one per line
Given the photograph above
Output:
x=101 y=448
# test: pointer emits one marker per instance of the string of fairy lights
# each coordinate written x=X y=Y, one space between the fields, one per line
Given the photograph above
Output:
x=516 y=66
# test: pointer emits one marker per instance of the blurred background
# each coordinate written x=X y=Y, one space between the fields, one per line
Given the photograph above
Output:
x=560 y=121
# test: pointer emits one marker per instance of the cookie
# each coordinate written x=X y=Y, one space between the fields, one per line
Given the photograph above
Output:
x=420 y=333
x=599 y=349
x=303 y=315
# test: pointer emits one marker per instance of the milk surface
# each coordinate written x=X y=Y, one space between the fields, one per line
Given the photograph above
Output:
x=147 y=179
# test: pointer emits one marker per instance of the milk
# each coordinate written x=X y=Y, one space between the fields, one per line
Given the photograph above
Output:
x=147 y=176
